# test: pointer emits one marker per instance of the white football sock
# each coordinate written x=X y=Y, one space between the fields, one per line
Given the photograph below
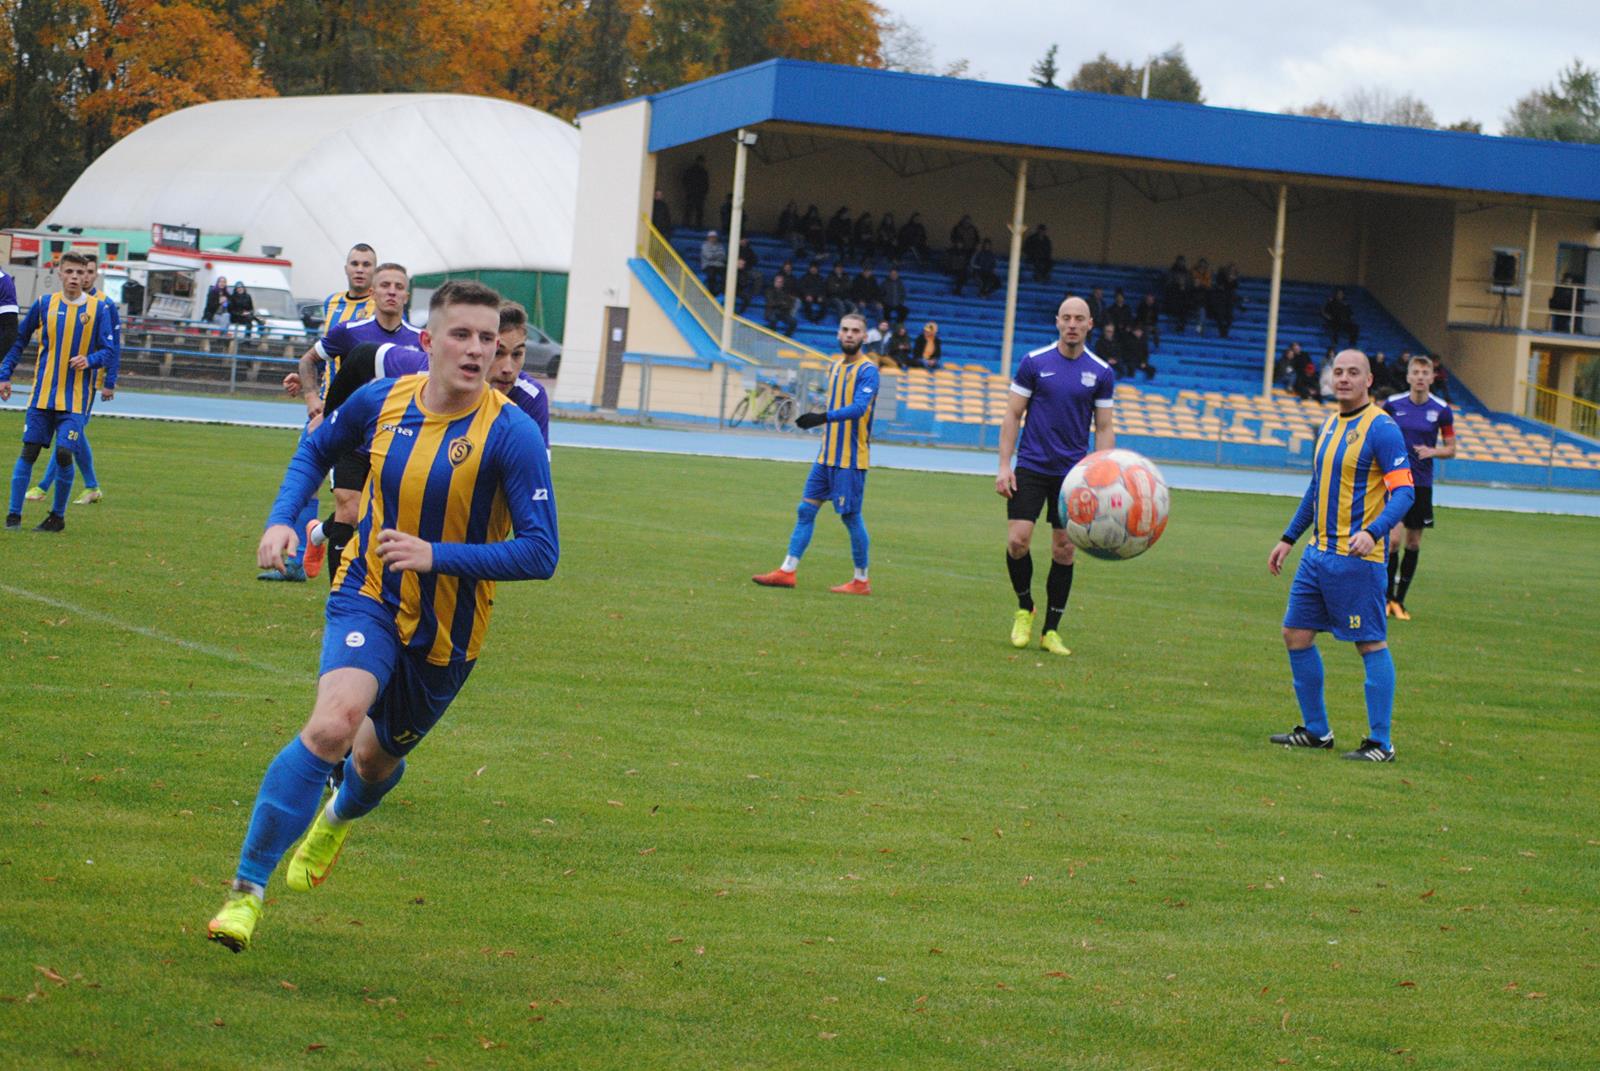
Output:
x=316 y=537
x=790 y=563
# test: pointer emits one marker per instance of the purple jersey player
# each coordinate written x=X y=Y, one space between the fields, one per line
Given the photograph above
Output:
x=1430 y=432
x=1066 y=393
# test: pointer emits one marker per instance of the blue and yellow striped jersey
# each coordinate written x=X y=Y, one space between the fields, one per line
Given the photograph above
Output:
x=342 y=308
x=1359 y=459
x=463 y=481
x=852 y=394
x=67 y=329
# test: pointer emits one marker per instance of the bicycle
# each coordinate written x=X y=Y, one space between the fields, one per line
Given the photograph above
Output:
x=765 y=404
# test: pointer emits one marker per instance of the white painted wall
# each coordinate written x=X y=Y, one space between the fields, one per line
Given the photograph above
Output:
x=616 y=183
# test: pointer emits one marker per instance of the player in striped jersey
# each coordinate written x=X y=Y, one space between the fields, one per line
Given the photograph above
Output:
x=77 y=340
x=1360 y=458
x=840 y=472
x=456 y=470
x=1424 y=421
x=108 y=388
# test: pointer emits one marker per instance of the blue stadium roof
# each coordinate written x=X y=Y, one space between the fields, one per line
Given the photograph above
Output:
x=1123 y=128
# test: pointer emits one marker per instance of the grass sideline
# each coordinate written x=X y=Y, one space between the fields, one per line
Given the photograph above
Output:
x=678 y=821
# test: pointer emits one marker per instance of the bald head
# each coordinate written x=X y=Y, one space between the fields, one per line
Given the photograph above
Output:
x=1352 y=379
x=1073 y=303
x=1073 y=323
x=1353 y=355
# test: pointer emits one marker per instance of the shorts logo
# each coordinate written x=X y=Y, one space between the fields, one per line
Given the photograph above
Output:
x=542 y=495
x=460 y=449
x=1352 y=437
x=355 y=639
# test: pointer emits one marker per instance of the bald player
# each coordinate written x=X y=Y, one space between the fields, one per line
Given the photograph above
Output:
x=1065 y=392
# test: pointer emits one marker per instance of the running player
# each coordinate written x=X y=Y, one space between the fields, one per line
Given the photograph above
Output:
x=1359 y=459
x=1424 y=420
x=456 y=469
x=391 y=286
x=840 y=471
x=77 y=340
x=108 y=389
x=1065 y=391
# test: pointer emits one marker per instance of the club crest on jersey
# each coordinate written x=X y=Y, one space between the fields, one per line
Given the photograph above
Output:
x=1433 y=416
x=1087 y=379
x=459 y=450
x=1352 y=437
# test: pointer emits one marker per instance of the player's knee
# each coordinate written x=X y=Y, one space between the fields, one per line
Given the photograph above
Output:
x=373 y=764
x=30 y=452
x=1062 y=552
x=1298 y=639
x=1016 y=546
x=64 y=457
x=807 y=511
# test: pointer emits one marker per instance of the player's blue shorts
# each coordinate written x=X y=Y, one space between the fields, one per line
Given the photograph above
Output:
x=1339 y=594
x=412 y=692
x=39 y=426
x=845 y=488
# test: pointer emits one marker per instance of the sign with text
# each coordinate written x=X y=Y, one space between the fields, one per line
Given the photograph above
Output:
x=174 y=237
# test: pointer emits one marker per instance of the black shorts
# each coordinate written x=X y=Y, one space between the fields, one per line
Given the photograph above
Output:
x=1035 y=489
x=1420 y=515
x=350 y=471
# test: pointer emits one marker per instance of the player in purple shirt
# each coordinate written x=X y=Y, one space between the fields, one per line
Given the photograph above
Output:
x=391 y=287
x=8 y=312
x=1066 y=393
x=1424 y=421
x=506 y=374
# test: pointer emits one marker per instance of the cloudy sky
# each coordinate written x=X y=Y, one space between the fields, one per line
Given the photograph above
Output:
x=1464 y=59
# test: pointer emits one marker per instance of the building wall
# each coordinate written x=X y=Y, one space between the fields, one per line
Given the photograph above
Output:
x=1492 y=363
x=616 y=180
x=650 y=331
x=1410 y=241
x=682 y=391
x=1479 y=230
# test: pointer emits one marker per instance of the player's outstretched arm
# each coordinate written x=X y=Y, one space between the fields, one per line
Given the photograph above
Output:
x=278 y=543
x=1005 y=483
x=1303 y=516
x=317 y=452
x=519 y=455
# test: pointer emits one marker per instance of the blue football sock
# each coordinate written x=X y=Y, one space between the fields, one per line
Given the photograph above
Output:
x=805 y=523
x=858 y=538
x=285 y=806
x=1380 y=694
x=20 y=475
x=357 y=797
x=307 y=514
x=85 y=459
x=1306 y=668
x=49 y=474
x=63 y=488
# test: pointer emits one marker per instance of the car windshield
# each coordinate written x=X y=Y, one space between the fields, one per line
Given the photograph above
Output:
x=277 y=304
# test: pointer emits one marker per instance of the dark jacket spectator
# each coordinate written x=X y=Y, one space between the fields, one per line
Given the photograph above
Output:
x=1224 y=298
x=812 y=290
x=1038 y=253
x=913 y=239
x=780 y=308
x=898 y=348
x=1136 y=354
x=811 y=226
x=216 y=300
x=788 y=220
x=749 y=283
x=839 y=228
x=964 y=235
x=894 y=297
x=1109 y=349
x=1338 y=319
x=1097 y=307
x=862 y=235
x=1305 y=376
x=867 y=295
x=1283 y=369
x=241 y=307
x=928 y=351
x=661 y=215
x=1148 y=316
x=1120 y=313
x=725 y=214
x=885 y=244
x=837 y=289
x=1180 y=292
x=983 y=266
x=696 y=184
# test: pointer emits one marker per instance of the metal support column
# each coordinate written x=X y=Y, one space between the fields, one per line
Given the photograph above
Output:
x=1277 y=289
x=1527 y=269
x=1014 y=269
x=730 y=289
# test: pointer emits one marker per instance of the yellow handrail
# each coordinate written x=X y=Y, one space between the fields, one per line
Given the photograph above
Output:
x=752 y=343
x=1564 y=410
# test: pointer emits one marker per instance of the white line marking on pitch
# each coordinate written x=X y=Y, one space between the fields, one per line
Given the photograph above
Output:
x=149 y=633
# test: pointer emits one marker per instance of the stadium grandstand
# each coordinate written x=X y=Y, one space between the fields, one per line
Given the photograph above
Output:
x=1443 y=243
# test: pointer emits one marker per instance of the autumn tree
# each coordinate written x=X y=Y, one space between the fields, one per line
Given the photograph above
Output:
x=1374 y=104
x=1170 y=77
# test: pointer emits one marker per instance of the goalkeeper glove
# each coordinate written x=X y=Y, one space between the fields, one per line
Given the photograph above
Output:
x=807 y=421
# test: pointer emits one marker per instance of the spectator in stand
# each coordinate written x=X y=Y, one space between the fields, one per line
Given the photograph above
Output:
x=1441 y=380
x=1136 y=354
x=216 y=309
x=839 y=233
x=789 y=228
x=748 y=254
x=1325 y=378
x=786 y=272
x=714 y=263
x=780 y=307
x=1563 y=303
x=894 y=297
x=898 y=348
x=1179 y=290
x=928 y=351
x=696 y=184
x=1285 y=370
x=983 y=266
x=1338 y=319
x=242 y=310
x=1119 y=312
x=1109 y=349
x=1037 y=252
x=1148 y=316
x=862 y=236
x=725 y=214
x=1225 y=298
x=1200 y=297
x=661 y=215
x=1305 y=375
x=836 y=291
x=866 y=295
x=816 y=234
x=913 y=240
x=875 y=338
x=1097 y=313
x=1382 y=375
x=887 y=242
x=964 y=236
x=747 y=285
x=813 y=293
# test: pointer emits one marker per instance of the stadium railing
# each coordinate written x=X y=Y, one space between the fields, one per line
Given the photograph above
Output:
x=1565 y=411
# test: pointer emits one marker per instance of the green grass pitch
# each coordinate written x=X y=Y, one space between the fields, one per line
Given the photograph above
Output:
x=679 y=821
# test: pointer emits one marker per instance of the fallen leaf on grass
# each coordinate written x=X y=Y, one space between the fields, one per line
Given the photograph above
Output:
x=1426 y=895
x=315 y=1046
x=825 y=1036
x=613 y=803
x=50 y=974
x=486 y=1043
x=1057 y=974
x=479 y=771
x=1397 y=1052
x=287 y=985
x=217 y=1022
x=1405 y=985
x=647 y=851
x=1534 y=996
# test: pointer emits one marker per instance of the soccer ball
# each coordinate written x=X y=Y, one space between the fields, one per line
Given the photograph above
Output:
x=1114 y=503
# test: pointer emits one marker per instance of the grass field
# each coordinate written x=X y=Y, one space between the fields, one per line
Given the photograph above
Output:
x=678 y=821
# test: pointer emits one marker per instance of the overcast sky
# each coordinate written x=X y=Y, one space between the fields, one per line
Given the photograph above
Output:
x=1464 y=59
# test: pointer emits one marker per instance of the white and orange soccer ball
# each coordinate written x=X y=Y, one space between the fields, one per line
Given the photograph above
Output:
x=1115 y=504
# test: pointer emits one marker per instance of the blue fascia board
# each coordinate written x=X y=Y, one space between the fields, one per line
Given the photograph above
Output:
x=1026 y=117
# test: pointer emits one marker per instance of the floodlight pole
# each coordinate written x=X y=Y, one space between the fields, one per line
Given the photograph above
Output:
x=1527 y=268
x=1014 y=268
x=1277 y=290
x=730 y=287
